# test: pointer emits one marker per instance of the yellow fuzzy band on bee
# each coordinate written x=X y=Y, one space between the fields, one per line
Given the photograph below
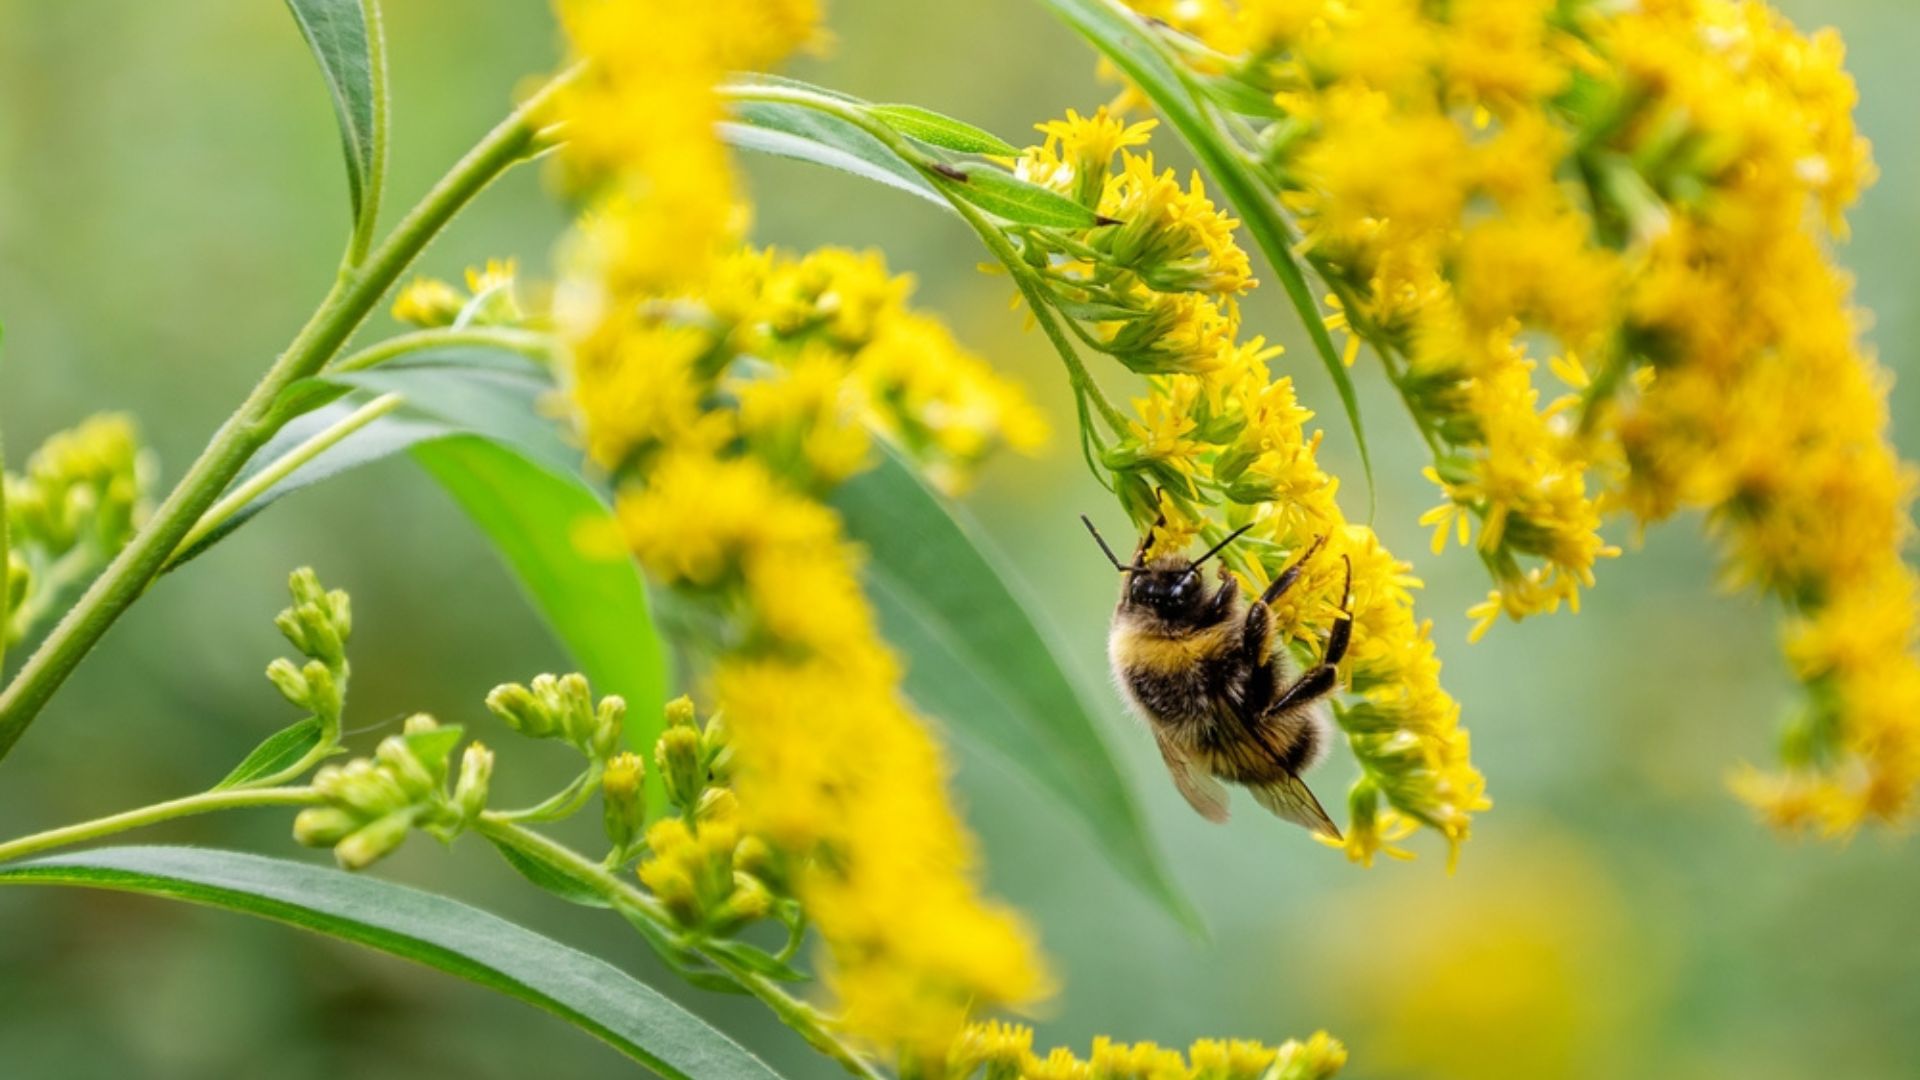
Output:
x=1153 y=652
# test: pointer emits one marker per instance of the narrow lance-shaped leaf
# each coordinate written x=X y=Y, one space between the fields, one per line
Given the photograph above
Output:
x=983 y=663
x=588 y=993
x=936 y=129
x=793 y=131
x=336 y=31
x=279 y=751
x=1004 y=195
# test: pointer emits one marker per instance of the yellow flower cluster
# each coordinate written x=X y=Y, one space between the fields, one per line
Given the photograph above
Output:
x=726 y=390
x=74 y=504
x=997 y=1051
x=1218 y=442
x=1641 y=195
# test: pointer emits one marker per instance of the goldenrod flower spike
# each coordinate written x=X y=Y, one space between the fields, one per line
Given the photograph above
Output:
x=1218 y=442
x=1589 y=241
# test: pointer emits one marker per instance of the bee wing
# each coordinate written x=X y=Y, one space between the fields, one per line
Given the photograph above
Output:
x=1290 y=798
x=1202 y=792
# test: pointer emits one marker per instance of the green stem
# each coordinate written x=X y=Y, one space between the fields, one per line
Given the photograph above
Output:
x=346 y=306
x=376 y=187
x=990 y=235
x=796 y=1014
x=316 y=444
x=529 y=343
x=204 y=803
x=6 y=558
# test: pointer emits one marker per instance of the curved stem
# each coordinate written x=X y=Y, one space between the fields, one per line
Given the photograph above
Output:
x=6 y=558
x=345 y=307
x=204 y=803
x=529 y=343
x=318 y=443
x=796 y=1014
x=990 y=235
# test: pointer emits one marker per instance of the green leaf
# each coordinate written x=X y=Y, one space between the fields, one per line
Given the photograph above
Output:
x=1126 y=40
x=549 y=875
x=1005 y=195
x=278 y=752
x=802 y=134
x=984 y=663
x=596 y=606
x=336 y=31
x=489 y=391
x=935 y=129
x=432 y=930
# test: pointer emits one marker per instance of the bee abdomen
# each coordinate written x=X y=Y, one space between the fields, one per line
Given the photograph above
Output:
x=1286 y=744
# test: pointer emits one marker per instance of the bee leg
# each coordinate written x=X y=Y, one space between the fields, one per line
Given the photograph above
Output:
x=1292 y=574
x=1321 y=679
x=1221 y=604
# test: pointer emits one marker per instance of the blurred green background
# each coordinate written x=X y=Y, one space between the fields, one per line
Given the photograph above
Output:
x=171 y=204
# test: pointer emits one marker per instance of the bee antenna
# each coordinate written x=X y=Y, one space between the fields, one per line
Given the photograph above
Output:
x=1101 y=540
x=1215 y=549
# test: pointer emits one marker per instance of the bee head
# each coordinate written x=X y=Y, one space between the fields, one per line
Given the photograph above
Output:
x=1171 y=588
x=1170 y=585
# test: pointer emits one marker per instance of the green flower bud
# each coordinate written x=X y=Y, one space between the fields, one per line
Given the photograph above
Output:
x=396 y=753
x=608 y=721
x=561 y=707
x=290 y=682
x=323 y=826
x=476 y=776
x=372 y=842
x=678 y=756
x=717 y=804
x=680 y=712
x=750 y=901
x=516 y=706
x=319 y=622
x=622 y=798
x=324 y=699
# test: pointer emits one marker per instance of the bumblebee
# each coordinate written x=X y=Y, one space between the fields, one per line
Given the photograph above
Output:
x=1201 y=668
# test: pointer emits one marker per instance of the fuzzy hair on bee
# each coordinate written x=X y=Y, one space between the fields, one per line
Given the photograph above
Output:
x=1201 y=668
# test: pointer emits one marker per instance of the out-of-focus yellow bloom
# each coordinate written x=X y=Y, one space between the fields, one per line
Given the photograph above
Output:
x=76 y=502
x=1000 y=1051
x=727 y=390
x=1523 y=968
x=1640 y=195
x=1219 y=442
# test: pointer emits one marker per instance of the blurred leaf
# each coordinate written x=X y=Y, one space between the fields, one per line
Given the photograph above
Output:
x=375 y=442
x=981 y=662
x=791 y=131
x=1123 y=37
x=489 y=391
x=1005 y=195
x=597 y=606
x=472 y=422
x=549 y=875
x=936 y=129
x=432 y=930
x=277 y=752
x=336 y=31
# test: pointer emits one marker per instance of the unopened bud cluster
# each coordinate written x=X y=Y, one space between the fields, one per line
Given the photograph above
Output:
x=318 y=624
x=698 y=864
x=371 y=804
x=80 y=497
x=562 y=707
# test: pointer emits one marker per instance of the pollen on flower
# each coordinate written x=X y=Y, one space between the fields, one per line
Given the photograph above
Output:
x=1218 y=441
x=1641 y=195
x=726 y=390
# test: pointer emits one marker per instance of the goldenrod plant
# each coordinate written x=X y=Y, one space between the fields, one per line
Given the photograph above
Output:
x=1588 y=244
